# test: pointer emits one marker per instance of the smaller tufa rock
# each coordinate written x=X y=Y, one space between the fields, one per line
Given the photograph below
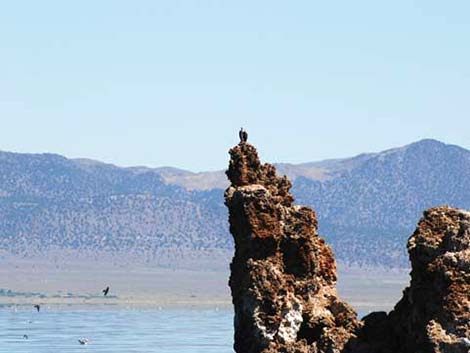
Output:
x=434 y=314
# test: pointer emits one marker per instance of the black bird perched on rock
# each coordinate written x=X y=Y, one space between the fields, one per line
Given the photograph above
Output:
x=38 y=307
x=243 y=135
x=105 y=291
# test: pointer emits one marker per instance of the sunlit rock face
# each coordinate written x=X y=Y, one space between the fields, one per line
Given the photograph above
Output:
x=283 y=274
x=434 y=313
x=283 y=277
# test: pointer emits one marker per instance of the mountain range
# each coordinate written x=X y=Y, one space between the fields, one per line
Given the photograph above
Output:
x=367 y=205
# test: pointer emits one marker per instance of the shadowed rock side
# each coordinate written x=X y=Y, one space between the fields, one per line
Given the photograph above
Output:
x=434 y=313
x=283 y=277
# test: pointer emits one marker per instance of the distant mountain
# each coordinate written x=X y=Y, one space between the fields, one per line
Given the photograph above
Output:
x=368 y=211
x=323 y=170
x=48 y=202
x=367 y=205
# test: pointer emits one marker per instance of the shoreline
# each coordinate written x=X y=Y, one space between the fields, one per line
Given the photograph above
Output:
x=77 y=284
x=151 y=304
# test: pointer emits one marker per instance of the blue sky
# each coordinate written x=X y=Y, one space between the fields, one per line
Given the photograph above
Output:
x=171 y=82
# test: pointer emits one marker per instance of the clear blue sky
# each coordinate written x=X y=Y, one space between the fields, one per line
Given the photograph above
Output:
x=171 y=82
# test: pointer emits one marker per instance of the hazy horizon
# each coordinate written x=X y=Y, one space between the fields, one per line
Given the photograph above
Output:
x=85 y=158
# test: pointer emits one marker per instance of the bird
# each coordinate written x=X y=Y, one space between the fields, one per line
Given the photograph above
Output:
x=38 y=307
x=25 y=337
x=105 y=291
x=83 y=341
x=243 y=135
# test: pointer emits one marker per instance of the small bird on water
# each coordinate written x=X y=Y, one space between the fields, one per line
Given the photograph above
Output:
x=105 y=291
x=25 y=337
x=38 y=307
x=84 y=341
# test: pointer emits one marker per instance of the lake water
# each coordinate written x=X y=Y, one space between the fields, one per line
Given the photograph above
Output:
x=116 y=331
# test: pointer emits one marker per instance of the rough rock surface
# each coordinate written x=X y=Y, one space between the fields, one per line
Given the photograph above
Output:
x=283 y=277
x=434 y=313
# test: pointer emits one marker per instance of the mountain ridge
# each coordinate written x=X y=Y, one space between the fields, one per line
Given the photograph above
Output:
x=50 y=202
x=317 y=170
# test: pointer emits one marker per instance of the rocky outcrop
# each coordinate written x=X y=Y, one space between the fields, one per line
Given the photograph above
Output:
x=283 y=277
x=434 y=313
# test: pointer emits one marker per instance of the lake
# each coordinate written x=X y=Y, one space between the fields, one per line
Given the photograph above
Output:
x=116 y=330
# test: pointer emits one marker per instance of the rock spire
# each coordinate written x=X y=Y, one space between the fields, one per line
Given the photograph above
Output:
x=283 y=274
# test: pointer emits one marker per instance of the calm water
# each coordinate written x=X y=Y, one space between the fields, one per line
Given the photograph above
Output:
x=116 y=331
